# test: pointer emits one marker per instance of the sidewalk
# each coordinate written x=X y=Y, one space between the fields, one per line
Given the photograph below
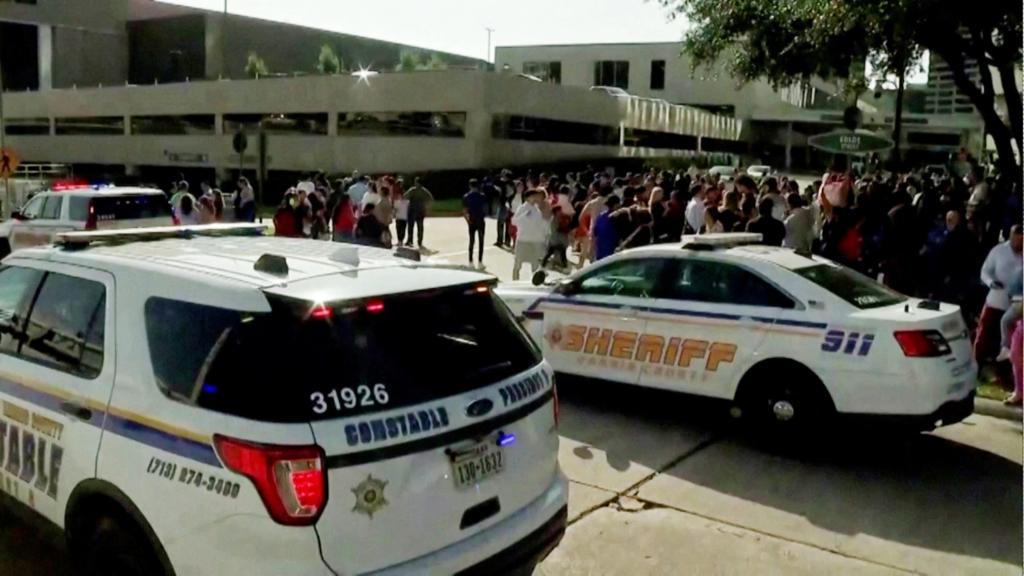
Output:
x=997 y=409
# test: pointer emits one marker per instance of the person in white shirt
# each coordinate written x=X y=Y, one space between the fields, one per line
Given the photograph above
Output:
x=1002 y=266
x=306 y=185
x=532 y=229
x=370 y=197
x=695 y=209
x=799 y=225
x=357 y=190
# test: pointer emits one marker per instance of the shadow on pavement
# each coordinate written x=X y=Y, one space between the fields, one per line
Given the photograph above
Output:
x=921 y=490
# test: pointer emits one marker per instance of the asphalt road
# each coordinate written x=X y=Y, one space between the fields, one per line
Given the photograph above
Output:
x=666 y=484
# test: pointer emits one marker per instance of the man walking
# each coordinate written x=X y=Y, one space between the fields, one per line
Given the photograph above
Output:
x=772 y=231
x=532 y=229
x=419 y=202
x=1002 y=265
x=474 y=210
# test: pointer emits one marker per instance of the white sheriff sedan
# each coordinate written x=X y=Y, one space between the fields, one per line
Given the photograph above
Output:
x=788 y=338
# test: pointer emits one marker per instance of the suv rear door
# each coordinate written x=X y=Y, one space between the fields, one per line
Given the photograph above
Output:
x=56 y=379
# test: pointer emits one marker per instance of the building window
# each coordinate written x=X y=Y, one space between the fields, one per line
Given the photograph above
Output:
x=27 y=126
x=546 y=71
x=299 y=123
x=612 y=73
x=657 y=74
x=91 y=126
x=436 y=124
x=173 y=125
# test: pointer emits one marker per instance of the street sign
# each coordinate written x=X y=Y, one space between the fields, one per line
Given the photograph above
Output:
x=850 y=142
x=8 y=162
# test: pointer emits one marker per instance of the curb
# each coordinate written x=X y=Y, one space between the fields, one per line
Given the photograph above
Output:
x=997 y=409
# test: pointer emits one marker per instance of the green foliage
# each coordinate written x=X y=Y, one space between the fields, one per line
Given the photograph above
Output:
x=328 y=61
x=783 y=41
x=408 y=61
x=435 y=62
x=255 y=66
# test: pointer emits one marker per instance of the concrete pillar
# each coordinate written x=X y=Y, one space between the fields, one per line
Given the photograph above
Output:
x=700 y=143
x=45 y=36
x=127 y=125
x=332 y=123
x=789 y=146
x=131 y=170
x=218 y=124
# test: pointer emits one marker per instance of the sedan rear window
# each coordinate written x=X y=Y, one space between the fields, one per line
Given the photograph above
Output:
x=852 y=286
x=302 y=362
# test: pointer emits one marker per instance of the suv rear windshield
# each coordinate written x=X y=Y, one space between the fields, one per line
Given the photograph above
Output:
x=127 y=207
x=852 y=286
x=300 y=363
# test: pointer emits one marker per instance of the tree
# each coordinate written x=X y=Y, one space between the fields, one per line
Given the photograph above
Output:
x=255 y=66
x=408 y=61
x=328 y=62
x=789 y=40
x=436 y=62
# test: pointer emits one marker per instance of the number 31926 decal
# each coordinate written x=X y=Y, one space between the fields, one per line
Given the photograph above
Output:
x=349 y=398
x=172 y=471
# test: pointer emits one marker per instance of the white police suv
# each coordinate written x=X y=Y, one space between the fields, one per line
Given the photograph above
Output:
x=82 y=207
x=204 y=401
x=787 y=338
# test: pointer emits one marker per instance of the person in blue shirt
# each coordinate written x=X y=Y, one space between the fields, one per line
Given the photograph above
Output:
x=474 y=209
x=606 y=238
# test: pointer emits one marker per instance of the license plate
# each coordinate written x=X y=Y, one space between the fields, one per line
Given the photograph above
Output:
x=474 y=464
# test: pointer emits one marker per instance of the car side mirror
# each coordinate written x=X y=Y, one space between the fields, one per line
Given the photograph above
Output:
x=17 y=215
x=567 y=287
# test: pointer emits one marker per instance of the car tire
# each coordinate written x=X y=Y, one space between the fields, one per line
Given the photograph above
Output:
x=794 y=402
x=113 y=546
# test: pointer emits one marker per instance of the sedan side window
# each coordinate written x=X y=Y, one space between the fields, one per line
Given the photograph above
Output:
x=17 y=289
x=722 y=283
x=636 y=278
x=51 y=209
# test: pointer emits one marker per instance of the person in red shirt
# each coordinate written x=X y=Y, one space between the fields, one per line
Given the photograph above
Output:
x=343 y=220
x=285 y=221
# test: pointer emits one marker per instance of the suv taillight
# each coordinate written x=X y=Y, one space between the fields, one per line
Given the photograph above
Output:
x=922 y=343
x=90 y=221
x=291 y=480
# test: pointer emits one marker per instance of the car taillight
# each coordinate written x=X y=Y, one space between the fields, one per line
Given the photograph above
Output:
x=291 y=480
x=922 y=343
x=90 y=221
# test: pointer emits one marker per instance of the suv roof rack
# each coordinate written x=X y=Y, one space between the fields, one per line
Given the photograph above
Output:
x=73 y=240
x=719 y=240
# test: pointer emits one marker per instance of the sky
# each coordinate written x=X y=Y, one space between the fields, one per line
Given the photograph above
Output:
x=459 y=26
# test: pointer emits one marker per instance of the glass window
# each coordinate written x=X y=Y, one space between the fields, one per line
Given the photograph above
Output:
x=131 y=207
x=657 y=74
x=51 y=208
x=17 y=288
x=437 y=124
x=91 y=126
x=635 y=278
x=66 y=325
x=507 y=127
x=721 y=283
x=612 y=73
x=78 y=211
x=850 y=285
x=285 y=366
x=33 y=208
x=546 y=71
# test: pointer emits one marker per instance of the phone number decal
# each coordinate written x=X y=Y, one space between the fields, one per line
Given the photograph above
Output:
x=194 y=478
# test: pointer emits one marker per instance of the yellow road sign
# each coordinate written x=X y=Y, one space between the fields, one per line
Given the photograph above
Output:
x=8 y=162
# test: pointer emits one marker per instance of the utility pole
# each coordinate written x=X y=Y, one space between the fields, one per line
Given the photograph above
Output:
x=223 y=41
x=3 y=130
x=489 y=32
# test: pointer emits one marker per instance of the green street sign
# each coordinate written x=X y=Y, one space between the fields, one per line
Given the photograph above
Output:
x=850 y=142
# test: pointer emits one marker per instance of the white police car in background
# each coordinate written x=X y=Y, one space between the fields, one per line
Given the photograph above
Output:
x=786 y=337
x=188 y=404
x=82 y=207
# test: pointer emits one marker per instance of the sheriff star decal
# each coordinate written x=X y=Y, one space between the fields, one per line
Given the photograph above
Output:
x=370 y=496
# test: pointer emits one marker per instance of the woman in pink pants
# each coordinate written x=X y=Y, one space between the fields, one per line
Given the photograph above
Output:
x=1017 y=359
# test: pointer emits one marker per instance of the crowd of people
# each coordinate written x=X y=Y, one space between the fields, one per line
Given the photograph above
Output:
x=935 y=235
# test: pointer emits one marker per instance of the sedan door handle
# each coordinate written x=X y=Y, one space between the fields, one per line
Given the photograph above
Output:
x=77 y=410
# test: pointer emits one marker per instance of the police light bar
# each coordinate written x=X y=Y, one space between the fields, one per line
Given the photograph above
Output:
x=126 y=235
x=720 y=240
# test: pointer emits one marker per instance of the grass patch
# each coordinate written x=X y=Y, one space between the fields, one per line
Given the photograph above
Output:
x=991 y=391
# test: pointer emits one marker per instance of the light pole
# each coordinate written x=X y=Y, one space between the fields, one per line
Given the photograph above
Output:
x=489 y=32
x=223 y=41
